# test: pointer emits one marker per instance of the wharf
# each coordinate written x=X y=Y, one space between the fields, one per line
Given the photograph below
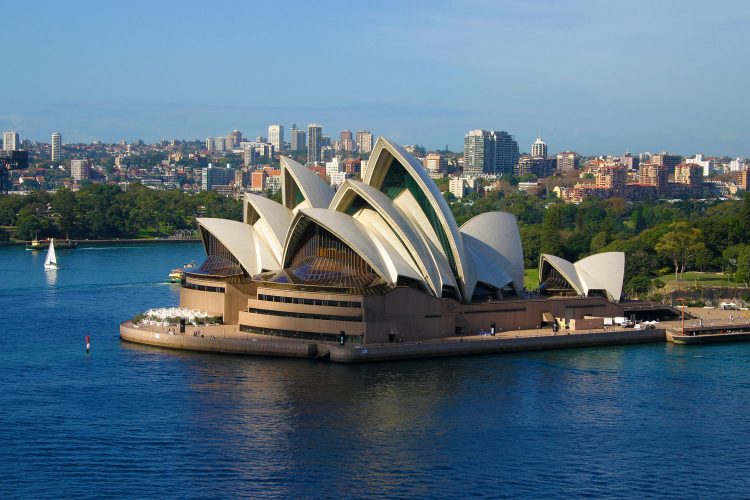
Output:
x=710 y=326
x=227 y=339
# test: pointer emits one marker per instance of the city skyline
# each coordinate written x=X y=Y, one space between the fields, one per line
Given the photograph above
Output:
x=634 y=76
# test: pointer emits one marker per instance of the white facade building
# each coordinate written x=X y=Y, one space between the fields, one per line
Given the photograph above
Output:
x=539 y=148
x=457 y=187
x=11 y=141
x=708 y=165
x=338 y=178
x=737 y=165
x=56 y=146
x=333 y=167
x=276 y=136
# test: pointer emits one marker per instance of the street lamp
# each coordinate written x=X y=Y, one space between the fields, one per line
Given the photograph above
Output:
x=682 y=306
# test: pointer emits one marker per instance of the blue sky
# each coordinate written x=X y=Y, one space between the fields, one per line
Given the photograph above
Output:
x=592 y=76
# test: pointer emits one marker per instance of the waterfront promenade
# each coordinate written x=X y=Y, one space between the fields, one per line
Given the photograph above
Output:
x=228 y=339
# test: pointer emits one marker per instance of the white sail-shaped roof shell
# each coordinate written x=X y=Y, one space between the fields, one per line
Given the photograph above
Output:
x=430 y=262
x=378 y=166
x=500 y=249
x=373 y=248
x=270 y=220
x=603 y=271
x=316 y=193
x=245 y=244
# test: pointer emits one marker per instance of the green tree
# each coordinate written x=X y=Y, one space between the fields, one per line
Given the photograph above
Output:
x=743 y=266
x=30 y=225
x=551 y=237
x=681 y=244
x=64 y=206
x=638 y=285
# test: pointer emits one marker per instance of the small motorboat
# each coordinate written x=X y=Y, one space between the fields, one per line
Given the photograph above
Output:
x=176 y=275
x=37 y=244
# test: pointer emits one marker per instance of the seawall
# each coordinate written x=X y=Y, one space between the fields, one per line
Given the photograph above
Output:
x=271 y=346
x=491 y=345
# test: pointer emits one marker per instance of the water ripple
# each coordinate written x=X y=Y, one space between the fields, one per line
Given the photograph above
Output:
x=129 y=421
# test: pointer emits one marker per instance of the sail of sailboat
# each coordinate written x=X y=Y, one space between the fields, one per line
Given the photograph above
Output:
x=51 y=261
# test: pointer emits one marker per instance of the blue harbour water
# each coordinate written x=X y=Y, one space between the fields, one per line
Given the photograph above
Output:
x=132 y=421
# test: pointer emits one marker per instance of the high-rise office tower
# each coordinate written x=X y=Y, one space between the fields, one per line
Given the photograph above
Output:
x=276 y=136
x=237 y=137
x=220 y=144
x=210 y=144
x=477 y=152
x=347 y=140
x=56 y=146
x=314 y=142
x=506 y=152
x=667 y=160
x=298 y=139
x=489 y=152
x=539 y=148
x=230 y=141
x=10 y=141
x=364 y=141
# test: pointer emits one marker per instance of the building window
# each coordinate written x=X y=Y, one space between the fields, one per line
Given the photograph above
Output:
x=324 y=260
x=203 y=288
x=310 y=302
x=294 y=314
x=294 y=334
x=219 y=260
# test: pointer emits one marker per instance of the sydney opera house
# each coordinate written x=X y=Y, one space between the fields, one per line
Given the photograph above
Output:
x=380 y=261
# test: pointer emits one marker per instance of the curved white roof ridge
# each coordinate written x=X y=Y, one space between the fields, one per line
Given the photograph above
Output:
x=410 y=236
x=499 y=232
x=244 y=243
x=464 y=266
x=278 y=217
x=317 y=193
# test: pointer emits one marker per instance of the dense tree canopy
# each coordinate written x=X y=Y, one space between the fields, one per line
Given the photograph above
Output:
x=657 y=236
x=106 y=211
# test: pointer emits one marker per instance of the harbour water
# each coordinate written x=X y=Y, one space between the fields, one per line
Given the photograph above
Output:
x=133 y=421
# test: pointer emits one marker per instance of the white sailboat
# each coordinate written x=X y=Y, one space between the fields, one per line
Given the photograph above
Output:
x=51 y=260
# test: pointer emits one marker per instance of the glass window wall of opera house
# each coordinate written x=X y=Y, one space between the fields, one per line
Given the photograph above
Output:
x=381 y=260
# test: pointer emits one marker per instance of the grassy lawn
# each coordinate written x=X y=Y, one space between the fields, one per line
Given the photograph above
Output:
x=701 y=278
x=531 y=278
